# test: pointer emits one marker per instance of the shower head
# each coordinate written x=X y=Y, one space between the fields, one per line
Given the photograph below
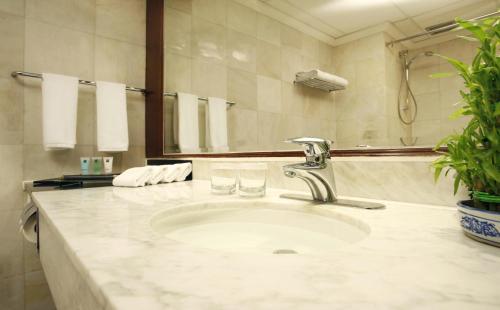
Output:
x=426 y=53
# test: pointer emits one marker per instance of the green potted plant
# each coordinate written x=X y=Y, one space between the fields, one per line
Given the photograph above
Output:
x=474 y=154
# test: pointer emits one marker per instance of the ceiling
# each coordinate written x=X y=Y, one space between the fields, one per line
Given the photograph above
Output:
x=339 y=20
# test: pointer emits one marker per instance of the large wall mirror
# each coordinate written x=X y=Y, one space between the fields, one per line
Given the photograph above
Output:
x=249 y=52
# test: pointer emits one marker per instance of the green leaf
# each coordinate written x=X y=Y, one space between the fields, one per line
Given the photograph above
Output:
x=470 y=39
x=456 y=184
x=441 y=75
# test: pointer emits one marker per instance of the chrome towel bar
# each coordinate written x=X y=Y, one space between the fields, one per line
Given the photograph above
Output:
x=84 y=82
x=15 y=74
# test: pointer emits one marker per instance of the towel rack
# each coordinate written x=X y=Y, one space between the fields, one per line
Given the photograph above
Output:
x=15 y=74
x=84 y=82
x=170 y=94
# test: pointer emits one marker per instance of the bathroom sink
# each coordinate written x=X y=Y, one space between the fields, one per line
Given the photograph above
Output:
x=260 y=227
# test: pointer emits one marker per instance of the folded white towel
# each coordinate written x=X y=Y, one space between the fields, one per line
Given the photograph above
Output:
x=325 y=76
x=112 y=125
x=133 y=177
x=216 y=125
x=184 y=170
x=186 y=133
x=59 y=108
x=170 y=174
x=157 y=173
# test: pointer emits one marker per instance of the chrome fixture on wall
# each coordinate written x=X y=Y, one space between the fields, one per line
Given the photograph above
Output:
x=317 y=171
x=439 y=28
x=406 y=102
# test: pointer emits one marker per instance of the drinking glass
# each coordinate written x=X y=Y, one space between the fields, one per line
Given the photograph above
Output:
x=223 y=178
x=252 y=181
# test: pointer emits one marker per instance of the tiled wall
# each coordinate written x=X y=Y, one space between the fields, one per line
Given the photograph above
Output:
x=103 y=40
x=366 y=113
x=225 y=49
x=437 y=98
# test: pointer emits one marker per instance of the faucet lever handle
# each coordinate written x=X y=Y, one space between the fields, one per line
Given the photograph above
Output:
x=316 y=149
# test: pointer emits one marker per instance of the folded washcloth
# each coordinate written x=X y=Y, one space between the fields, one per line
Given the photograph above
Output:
x=186 y=133
x=59 y=109
x=157 y=173
x=170 y=174
x=184 y=170
x=112 y=123
x=216 y=125
x=133 y=177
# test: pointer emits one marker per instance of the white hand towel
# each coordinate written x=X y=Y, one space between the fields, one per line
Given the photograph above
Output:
x=59 y=108
x=216 y=125
x=133 y=177
x=171 y=173
x=112 y=125
x=157 y=173
x=184 y=170
x=186 y=133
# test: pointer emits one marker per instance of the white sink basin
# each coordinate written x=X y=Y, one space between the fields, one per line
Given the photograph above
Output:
x=260 y=227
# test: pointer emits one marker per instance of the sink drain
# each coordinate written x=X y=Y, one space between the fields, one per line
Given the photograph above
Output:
x=284 y=251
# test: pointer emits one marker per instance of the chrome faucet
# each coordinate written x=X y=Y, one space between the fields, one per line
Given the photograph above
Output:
x=317 y=171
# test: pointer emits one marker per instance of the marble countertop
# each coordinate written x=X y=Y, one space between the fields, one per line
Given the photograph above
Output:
x=416 y=257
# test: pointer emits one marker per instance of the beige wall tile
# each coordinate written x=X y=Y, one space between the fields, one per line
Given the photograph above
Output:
x=121 y=62
x=177 y=32
x=269 y=130
x=209 y=79
x=12 y=47
x=241 y=51
x=268 y=29
x=268 y=94
x=77 y=15
x=292 y=99
x=136 y=114
x=135 y=157
x=241 y=18
x=74 y=54
x=11 y=91
x=211 y=10
x=12 y=293
x=208 y=41
x=243 y=133
x=268 y=60
x=185 y=6
x=12 y=6
x=242 y=88
x=123 y=20
x=11 y=111
x=291 y=63
x=291 y=37
x=177 y=73
x=12 y=165
x=39 y=163
x=429 y=107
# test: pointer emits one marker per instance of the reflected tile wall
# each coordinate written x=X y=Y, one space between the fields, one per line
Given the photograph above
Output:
x=439 y=98
x=251 y=59
x=103 y=39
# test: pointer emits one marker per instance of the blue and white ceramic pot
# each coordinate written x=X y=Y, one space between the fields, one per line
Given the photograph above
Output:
x=480 y=225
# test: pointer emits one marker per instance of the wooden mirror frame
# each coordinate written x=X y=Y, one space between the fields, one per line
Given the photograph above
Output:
x=154 y=129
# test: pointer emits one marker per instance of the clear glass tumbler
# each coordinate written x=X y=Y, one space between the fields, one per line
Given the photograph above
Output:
x=223 y=178
x=252 y=181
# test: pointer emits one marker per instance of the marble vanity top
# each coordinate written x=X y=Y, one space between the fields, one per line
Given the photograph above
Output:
x=416 y=257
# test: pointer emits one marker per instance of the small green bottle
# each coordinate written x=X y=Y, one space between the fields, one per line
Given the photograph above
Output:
x=96 y=165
